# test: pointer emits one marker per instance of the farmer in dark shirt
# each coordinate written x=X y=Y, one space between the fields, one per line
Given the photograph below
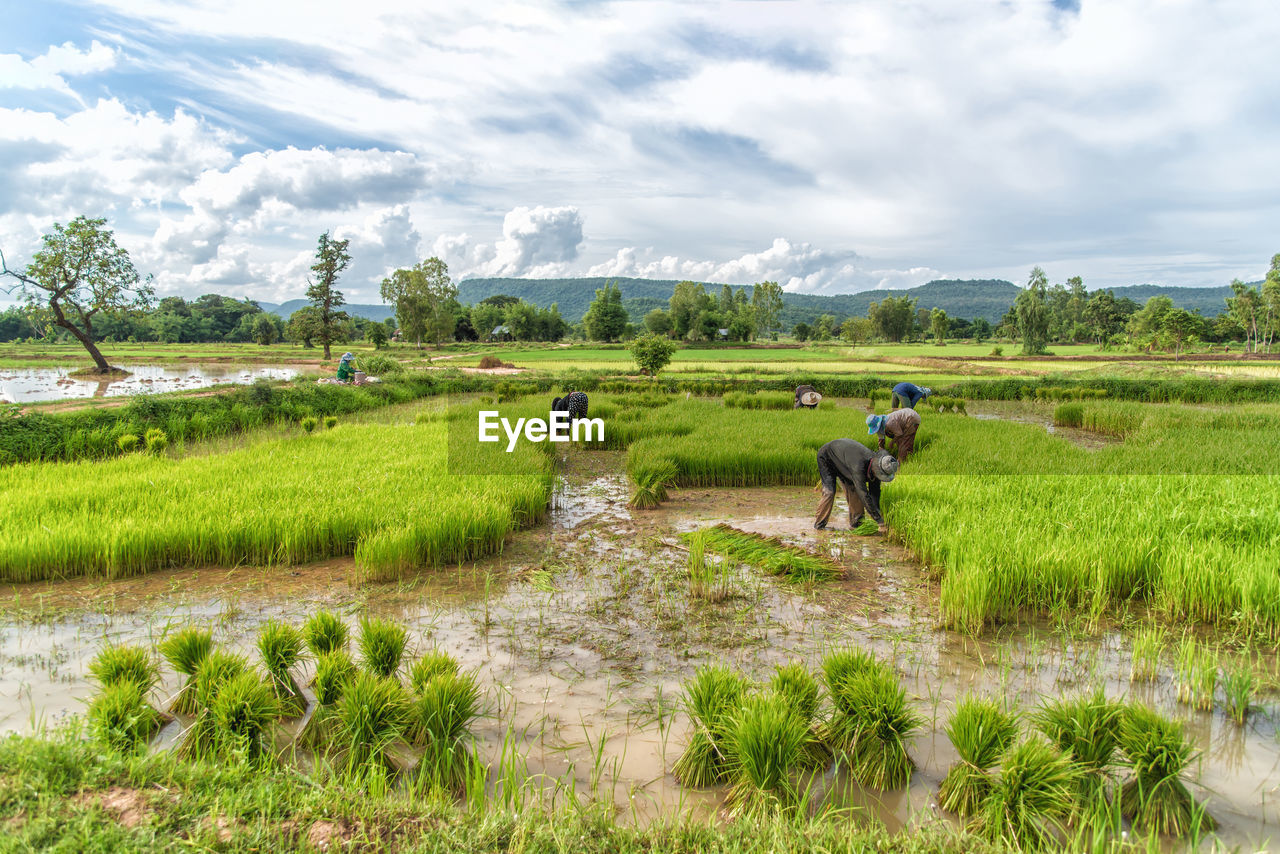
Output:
x=908 y=394
x=861 y=471
x=574 y=403
x=900 y=427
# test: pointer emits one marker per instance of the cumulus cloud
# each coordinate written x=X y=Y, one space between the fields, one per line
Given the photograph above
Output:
x=537 y=242
x=384 y=241
x=50 y=70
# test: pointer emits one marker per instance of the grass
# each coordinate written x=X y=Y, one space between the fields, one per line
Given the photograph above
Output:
x=382 y=645
x=1032 y=797
x=280 y=645
x=981 y=731
x=184 y=650
x=769 y=742
x=1155 y=796
x=712 y=698
x=116 y=664
x=371 y=715
x=1197 y=674
x=760 y=400
x=325 y=632
x=120 y=717
x=768 y=553
x=1148 y=644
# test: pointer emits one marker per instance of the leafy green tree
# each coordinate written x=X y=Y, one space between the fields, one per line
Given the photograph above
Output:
x=801 y=331
x=938 y=323
x=1180 y=326
x=688 y=300
x=79 y=274
x=824 y=328
x=331 y=259
x=606 y=319
x=892 y=317
x=264 y=331
x=658 y=322
x=424 y=298
x=1147 y=322
x=652 y=352
x=376 y=333
x=1032 y=311
x=981 y=329
x=766 y=302
x=304 y=326
x=1103 y=316
x=857 y=330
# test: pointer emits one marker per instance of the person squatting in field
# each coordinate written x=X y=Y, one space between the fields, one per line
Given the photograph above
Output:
x=908 y=394
x=807 y=397
x=574 y=403
x=861 y=471
x=900 y=427
x=346 y=368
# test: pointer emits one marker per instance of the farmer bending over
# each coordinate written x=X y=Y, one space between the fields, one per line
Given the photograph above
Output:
x=346 y=368
x=807 y=397
x=574 y=403
x=861 y=471
x=908 y=394
x=900 y=426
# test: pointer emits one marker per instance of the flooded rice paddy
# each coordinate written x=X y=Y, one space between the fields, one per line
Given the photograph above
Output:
x=33 y=385
x=583 y=631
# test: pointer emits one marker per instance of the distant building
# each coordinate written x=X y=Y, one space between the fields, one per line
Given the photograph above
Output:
x=722 y=333
x=501 y=333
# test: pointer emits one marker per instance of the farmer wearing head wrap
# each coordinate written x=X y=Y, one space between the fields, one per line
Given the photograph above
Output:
x=908 y=394
x=807 y=397
x=574 y=403
x=861 y=471
x=346 y=368
x=900 y=426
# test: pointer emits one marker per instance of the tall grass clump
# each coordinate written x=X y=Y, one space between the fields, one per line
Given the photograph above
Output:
x=651 y=486
x=120 y=716
x=431 y=664
x=281 y=647
x=439 y=723
x=243 y=712
x=371 y=715
x=325 y=632
x=871 y=724
x=330 y=421
x=127 y=443
x=184 y=650
x=1197 y=674
x=309 y=423
x=118 y=663
x=1239 y=684
x=981 y=731
x=1157 y=753
x=769 y=553
x=156 y=440
x=769 y=742
x=712 y=698
x=382 y=644
x=1032 y=798
x=215 y=670
x=1148 y=643
x=1086 y=730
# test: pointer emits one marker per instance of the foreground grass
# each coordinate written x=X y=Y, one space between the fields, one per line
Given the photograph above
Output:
x=65 y=794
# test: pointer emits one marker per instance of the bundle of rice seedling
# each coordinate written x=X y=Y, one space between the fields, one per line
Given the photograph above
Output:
x=874 y=723
x=651 y=486
x=325 y=632
x=1086 y=730
x=430 y=665
x=1238 y=687
x=1197 y=674
x=214 y=671
x=115 y=664
x=981 y=731
x=1147 y=644
x=184 y=651
x=382 y=644
x=769 y=553
x=120 y=716
x=243 y=711
x=795 y=684
x=1032 y=797
x=838 y=669
x=371 y=714
x=333 y=671
x=281 y=646
x=1157 y=753
x=768 y=741
x=442 y=712
x=712 y=697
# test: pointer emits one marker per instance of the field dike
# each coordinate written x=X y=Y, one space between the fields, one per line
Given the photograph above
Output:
x=584 y=631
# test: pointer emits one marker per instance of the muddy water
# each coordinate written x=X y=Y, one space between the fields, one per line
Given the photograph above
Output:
x=584 y=629
x=1026 y=413
x=31 y=385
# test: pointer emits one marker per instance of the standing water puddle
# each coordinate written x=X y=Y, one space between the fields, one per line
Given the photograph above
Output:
x=31 y=385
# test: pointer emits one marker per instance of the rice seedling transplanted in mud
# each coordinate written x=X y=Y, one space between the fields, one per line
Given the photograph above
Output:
x=371 y=715
x=1155 y=797
x=768 y=744
x=769 y=553
x=981 y=731
x=184 y=650
x=1197 y=674
x=382 y=645
x=1148 y=643
x=281 y=647
x=1032 y=798
x=244 y=711
x=325 y=632
x=120 y=717
x=712 y=697
x=1239 y=684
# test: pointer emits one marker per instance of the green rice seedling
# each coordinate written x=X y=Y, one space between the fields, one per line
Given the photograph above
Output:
x=712 y=697
x=871 y=725
x=309 y=423
x=768 y=743
x=382 y=644
x=1086 y=730
x=184 y=650
x=981 y=731
x=1197 y=674
x=1239 y=684
x=127 y=443
x=1155 y=798
x=706 y=580
x=212 y=673
x=1069 y=414
x=651 y=487
x=118 y=663
x=243 y=711
x=156 y=440
x=439 y=723
x=330 y=421
x=1148 y=643
x=1032 y=798
x=325 y=632
x=768 y=553
x=120 y=716
x=281 y=647
x=333 y=671
x=371 y=715
x=430 y=665
x=795 y=684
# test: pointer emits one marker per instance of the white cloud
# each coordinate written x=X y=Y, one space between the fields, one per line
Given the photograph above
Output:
x=50 y=70
x=537 y=242
x=383 y=242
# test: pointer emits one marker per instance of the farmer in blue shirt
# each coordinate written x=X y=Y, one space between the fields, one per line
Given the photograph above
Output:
x=908 y=394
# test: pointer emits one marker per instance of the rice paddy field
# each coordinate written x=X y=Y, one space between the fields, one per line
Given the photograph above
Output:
x=374 y=633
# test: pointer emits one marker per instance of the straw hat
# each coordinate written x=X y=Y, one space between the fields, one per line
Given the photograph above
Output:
x=810 y=398
x=884 y=467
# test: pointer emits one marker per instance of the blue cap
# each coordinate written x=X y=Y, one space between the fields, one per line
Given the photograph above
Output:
x=874 y=423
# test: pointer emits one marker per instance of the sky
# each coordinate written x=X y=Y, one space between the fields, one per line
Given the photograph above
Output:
x=831 y=147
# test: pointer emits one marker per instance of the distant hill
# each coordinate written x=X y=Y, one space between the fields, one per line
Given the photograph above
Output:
x=372 y=312
x=1208 y=301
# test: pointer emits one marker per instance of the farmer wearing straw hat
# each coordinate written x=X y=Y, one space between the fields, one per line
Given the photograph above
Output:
x=807 y=397
x=900 y=426
x=908 y=394
x=346 y=368
x=860 y=471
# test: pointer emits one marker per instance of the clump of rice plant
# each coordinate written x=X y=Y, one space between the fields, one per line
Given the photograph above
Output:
x=981 y=731
x=243 y=710
x=372 y=713
x=1032 y=797
x=871 y=724
x=1148 y=643
x=184 y=650
x=127 y=443
x=382 y=644
x=651 y=486
x=120 y=716
x=704 y=580
x=1086 y=731
x=769 y=553
x=214 y=671
x=309 y=423
x=439 y=720
x=330 y=421
x=118 y=663
x=324 y=632
x=768 y=742
x=281 y=646
x=1157 y=753
x=333 y=671
x=1238 y=687
x=156 y=440
x=1197 y=674
x=795 y=684
x=430 y=665
x=712 y=698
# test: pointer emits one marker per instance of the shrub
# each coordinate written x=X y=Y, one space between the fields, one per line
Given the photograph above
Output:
x=127 y=443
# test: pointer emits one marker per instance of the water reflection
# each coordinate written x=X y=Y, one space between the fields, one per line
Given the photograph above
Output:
x=31 y=385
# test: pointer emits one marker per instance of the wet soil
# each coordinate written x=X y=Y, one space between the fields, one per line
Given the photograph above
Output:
x=1030 y=413
x=584 y=629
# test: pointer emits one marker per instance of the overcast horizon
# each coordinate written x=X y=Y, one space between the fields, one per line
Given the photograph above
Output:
x=833 y=148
